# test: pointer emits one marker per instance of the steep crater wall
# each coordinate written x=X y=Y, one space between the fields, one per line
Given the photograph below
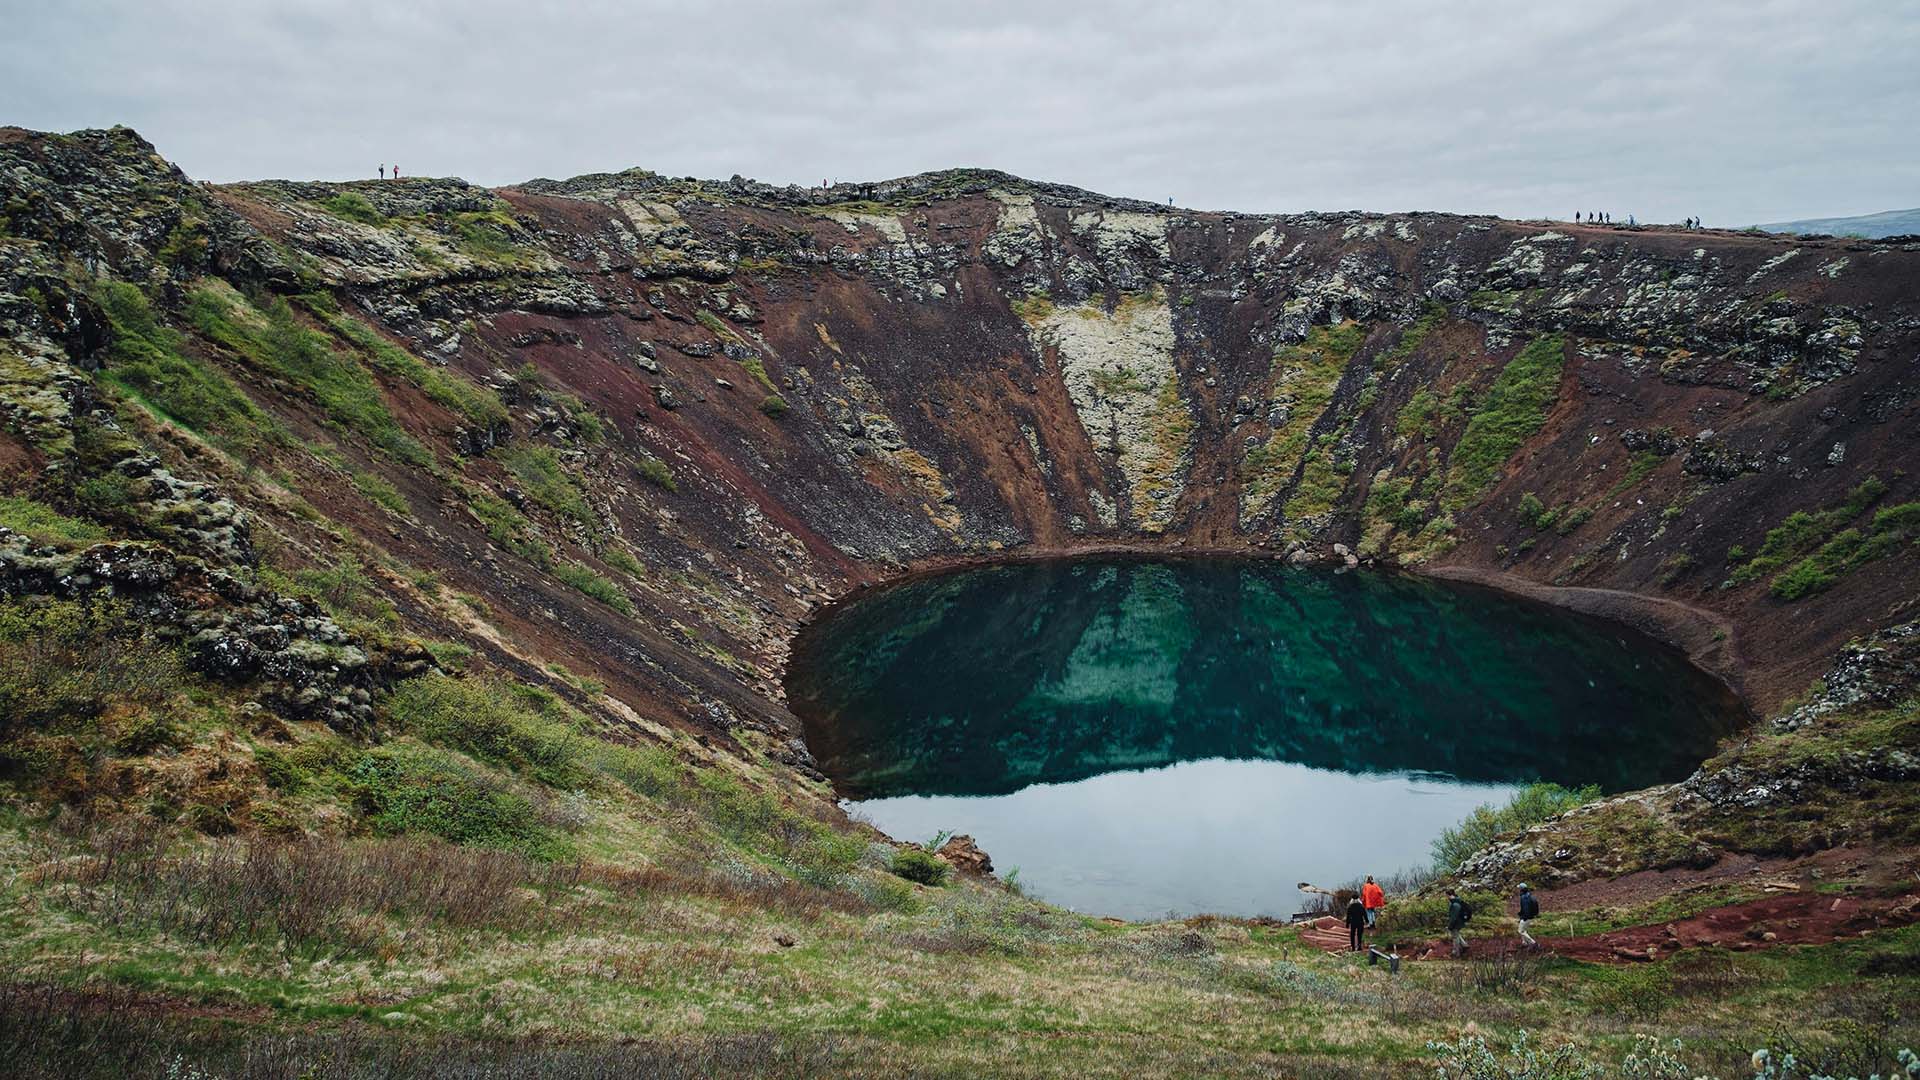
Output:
x=646 y=426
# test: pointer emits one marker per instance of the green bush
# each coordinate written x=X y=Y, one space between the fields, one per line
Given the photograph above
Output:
x=1528 y=806
x=64 y=660
x=657 y=472
x=919 y=864
x=774 y=405
x=354 y=207
x=406 y=790
x=483 y=718
x=1803 y=531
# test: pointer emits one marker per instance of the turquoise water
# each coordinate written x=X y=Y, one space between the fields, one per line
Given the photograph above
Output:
x=1152 y=736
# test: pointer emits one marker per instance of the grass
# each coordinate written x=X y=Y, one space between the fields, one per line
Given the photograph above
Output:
x=1306 y=375
x=380 y=493
x=45 y=524
x=478 y=407
x=547 y=482
x=508 y=527
x=591 y=583
x=150 y=363
x=1810 y=552
x=656 y=472
x=1514 y=408
x=274 y=340
x=1528 y=806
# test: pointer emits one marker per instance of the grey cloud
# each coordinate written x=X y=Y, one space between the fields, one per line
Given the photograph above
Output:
x=1740 y=112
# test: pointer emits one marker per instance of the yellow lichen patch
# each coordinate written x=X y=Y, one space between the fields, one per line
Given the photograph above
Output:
x=927 y=479
x=1119 y=370
x=825 y=337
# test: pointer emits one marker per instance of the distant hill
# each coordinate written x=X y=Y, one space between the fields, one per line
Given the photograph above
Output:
x=1870 y=226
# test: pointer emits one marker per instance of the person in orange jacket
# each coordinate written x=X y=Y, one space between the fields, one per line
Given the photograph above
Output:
x=1374 y=898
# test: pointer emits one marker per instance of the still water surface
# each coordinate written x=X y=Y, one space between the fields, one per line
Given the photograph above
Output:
x=1152 y=736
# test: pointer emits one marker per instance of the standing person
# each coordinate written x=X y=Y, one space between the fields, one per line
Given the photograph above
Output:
x=1374 y=898
x=1356 y=924
x=1458 y=912
x=383 y=172
x=1576 y=217
x=1529 y=911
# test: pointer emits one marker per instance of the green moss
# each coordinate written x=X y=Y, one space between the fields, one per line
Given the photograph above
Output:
x=44 y=523
x=1034 y=308
x=1514 y=408
x=774 y=405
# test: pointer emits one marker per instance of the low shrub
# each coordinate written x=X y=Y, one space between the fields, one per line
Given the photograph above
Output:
x=482 y=717
x=919 y=864
x=1528 y=806
x=585 y=580
x=404 y=790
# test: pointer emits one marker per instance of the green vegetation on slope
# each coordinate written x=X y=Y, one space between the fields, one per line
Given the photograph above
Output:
x=1514 y=408
x=148 y=361
x=1811 y=551
x=275 y=341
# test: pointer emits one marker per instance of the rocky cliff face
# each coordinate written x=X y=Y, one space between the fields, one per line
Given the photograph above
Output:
x=622 y=433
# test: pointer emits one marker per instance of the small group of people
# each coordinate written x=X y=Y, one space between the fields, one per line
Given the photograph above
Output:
x=383 y=172
x=1594 y=217
x=1459 y=913
x=1363 y=913
x=1691 y=223
x=1364 y=906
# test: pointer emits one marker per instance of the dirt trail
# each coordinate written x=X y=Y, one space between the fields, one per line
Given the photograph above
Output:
x=1795 y=918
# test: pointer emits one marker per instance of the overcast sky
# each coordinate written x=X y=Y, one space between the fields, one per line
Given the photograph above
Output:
x=1740 y=111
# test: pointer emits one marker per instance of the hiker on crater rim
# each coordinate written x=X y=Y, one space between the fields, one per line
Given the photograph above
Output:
x=1375 y=898
x=1356 y=923
x=383 y=172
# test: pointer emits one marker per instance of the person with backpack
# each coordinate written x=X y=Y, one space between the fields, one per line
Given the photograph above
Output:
x=1356 y=923
x=1529 y=911
x=1458 y=914
x=1374 y=898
